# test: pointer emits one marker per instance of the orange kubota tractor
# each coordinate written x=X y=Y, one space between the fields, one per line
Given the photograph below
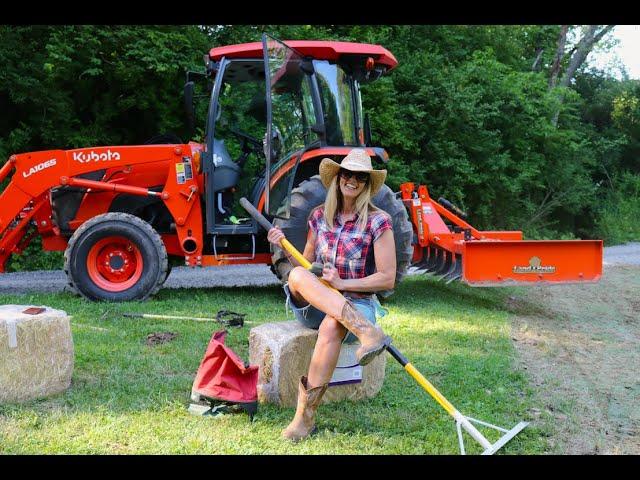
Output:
x=118 y=212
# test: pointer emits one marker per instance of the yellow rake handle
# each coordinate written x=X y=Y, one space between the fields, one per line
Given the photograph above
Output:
x=424 y=383
x=286 y=244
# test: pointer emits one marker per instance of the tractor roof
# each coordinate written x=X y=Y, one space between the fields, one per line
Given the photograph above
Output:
x=319 y=50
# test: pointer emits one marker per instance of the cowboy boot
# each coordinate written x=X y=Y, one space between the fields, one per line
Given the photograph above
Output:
x=302 y=424
x=372 y=339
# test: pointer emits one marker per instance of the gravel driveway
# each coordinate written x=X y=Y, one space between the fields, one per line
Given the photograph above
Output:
x=229 y=276
x=180 y=277
x=628 y=254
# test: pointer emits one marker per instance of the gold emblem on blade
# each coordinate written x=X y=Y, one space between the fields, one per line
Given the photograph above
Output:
x=535 y=266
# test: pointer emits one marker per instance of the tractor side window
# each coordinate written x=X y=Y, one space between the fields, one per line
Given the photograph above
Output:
x=242 y=113
x=293 y=114
x=240 y=127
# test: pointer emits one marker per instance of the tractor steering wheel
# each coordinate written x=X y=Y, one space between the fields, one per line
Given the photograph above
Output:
x=249 y=143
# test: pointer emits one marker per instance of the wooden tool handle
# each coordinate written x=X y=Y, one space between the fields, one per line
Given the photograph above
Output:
x=253 y=211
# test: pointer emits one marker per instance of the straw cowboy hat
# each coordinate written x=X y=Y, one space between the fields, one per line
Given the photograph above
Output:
x=356 y=161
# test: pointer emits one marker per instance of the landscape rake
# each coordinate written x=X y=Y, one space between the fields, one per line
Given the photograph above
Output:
x=448 y=248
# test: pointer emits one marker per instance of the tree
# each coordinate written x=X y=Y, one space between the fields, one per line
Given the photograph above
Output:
x=470 y=111
x=591 y=35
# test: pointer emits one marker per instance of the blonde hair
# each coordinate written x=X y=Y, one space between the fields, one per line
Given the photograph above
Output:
x=334 y=204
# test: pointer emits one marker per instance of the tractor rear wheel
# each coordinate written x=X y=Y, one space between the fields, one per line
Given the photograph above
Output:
x=116 y=257
x=311 y=193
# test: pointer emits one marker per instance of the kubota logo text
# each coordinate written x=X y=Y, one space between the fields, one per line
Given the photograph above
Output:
x=85 y=157
x=40 y=166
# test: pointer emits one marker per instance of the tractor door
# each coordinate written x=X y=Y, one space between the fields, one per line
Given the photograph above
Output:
x=237 y=122
x=291 y=115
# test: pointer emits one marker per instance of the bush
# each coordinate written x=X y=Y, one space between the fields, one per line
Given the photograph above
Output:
x=34 y=258
x=617 y=221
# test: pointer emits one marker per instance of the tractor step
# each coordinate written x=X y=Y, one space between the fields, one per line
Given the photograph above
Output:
x=505 y=263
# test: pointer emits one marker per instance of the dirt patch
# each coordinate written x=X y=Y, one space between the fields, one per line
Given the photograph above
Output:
x=159 y=338
x=580 y=345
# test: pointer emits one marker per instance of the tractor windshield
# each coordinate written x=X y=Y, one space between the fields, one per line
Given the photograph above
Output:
x=291 y=114
x=339 y=104
x=304 y=97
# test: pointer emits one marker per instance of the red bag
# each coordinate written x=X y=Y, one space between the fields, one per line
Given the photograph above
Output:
x=223 y=376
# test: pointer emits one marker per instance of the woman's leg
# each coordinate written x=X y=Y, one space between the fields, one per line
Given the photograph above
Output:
x=312 y=387
x=304 y=285
x=326 y=352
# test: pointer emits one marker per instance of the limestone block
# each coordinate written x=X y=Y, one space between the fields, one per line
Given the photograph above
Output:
x=282 y=351
x=36 y=353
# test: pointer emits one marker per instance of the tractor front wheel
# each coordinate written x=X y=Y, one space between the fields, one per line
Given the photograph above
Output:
x=116 y=257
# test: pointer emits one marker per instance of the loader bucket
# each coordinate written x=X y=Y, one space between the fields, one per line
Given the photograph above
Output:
x=504 y=263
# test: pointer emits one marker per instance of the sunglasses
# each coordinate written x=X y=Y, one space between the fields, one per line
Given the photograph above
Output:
x=360 y=176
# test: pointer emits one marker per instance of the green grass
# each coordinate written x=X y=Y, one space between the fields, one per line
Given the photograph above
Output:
x=127 y=397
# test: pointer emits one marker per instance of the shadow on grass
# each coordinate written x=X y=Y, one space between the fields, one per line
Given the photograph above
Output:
x=419 y=290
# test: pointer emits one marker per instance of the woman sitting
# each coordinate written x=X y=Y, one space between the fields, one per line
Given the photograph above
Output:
x=353 y=239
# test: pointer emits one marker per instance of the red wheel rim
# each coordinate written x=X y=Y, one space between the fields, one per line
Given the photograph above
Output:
x=114 y=264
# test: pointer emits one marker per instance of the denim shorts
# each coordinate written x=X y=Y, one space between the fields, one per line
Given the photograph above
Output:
x=311 y=317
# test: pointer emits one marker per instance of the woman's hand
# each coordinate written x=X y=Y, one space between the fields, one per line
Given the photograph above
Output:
x=330 y=275
x=275 y=235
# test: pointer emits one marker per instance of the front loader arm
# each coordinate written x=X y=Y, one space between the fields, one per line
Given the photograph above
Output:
x=27 y=196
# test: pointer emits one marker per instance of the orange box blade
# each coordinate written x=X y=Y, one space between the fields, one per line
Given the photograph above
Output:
x=503 y=263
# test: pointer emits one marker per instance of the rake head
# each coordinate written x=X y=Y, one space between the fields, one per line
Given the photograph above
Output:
x=446 y=265
x=439 y=263
x=489 y=448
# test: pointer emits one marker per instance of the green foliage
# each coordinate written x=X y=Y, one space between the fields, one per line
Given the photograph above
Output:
x=620 y=211
x=77 y=86
x=626 y=112
x=462 y=113
x=480 y=133
x=34 y=258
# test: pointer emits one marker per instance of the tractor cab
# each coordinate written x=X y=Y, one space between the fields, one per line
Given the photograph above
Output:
x=274 y=106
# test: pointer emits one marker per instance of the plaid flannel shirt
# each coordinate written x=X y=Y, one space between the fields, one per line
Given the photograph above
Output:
x=349 y=249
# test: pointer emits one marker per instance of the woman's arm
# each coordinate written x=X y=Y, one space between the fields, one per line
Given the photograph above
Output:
x=384 y=251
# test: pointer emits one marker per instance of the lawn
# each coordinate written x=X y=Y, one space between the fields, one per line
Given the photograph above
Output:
x=128 y=397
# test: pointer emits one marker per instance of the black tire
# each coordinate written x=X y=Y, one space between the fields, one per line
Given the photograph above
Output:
x=69 y=287
x=169 y=268
x=311 y=193
x=146 y=246
x=386 y=200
